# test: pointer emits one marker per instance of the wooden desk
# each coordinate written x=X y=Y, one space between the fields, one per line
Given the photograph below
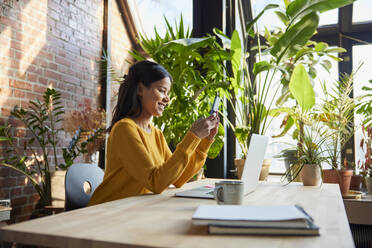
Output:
x=165 y=221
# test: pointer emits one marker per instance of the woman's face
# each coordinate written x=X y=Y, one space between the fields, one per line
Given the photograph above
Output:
x=154 y=98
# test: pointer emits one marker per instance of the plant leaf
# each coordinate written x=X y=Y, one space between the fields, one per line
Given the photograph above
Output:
x=295 y=37
x=301 y=88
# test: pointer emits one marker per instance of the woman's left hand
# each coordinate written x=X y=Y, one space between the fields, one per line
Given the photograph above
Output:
x=214 y=130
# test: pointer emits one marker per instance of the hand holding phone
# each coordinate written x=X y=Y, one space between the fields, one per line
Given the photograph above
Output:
x=215 y=105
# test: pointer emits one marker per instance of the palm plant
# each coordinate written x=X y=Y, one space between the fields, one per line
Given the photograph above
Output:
x=337 y=112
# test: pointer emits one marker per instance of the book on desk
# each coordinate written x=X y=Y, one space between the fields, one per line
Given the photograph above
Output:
x=263 y=220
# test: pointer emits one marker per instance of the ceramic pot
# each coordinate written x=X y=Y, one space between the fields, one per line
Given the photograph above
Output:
x=310 y=175
x=368 y=181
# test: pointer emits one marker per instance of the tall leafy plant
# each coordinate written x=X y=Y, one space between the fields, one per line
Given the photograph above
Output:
x=35 y=156
x=198 y=74
x=281 y=54
x=41 y=119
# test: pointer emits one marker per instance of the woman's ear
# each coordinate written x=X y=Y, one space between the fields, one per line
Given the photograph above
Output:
x=140 y=89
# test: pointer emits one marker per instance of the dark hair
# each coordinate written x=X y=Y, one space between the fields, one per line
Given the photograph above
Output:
x=129 y=104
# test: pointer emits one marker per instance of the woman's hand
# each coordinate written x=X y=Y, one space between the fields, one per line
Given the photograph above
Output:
x=206 y=127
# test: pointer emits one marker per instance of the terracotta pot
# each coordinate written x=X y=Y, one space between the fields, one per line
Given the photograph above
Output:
x=239 y=165
x=265 y=169
x=356 y=182
x=340 y=177
x=368 y=181
x=310 y=175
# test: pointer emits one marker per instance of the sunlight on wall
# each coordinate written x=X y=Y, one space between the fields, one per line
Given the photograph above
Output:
x=34 y=20
x=5 y=63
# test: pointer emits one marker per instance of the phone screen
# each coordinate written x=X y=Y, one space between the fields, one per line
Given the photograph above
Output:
x=215 y=105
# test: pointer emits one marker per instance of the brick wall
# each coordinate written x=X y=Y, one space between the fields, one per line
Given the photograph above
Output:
x=119 y=49
x=49 y=43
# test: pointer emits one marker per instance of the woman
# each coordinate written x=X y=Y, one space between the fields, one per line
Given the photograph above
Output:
x=138 y=158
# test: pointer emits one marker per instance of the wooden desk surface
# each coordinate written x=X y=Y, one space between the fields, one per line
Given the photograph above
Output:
x=165 y=221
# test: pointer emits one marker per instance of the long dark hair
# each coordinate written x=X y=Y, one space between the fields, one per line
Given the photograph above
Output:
x=129 y=104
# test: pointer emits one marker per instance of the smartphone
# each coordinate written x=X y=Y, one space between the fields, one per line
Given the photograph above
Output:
x=215 y=105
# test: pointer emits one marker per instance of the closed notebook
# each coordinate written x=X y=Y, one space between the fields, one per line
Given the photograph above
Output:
x=311 y=230
x=289 y=216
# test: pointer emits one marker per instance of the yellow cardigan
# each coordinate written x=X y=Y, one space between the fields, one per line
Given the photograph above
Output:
x=139 y=162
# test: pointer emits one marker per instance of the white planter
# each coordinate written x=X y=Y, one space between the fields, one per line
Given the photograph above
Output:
x=310 y=175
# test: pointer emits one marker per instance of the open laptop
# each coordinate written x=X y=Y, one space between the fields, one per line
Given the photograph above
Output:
x=250 y=175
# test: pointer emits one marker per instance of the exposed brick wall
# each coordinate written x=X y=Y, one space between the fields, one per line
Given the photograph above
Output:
x=120 y=44
x=46 y=43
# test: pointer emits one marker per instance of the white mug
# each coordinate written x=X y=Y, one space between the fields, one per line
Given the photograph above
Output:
x=229 y=192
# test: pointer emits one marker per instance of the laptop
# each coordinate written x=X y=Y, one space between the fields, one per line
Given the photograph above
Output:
x=250 y=175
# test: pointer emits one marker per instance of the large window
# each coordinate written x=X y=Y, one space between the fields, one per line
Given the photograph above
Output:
x=362 y=11
x=151 y=14
x=361 y=55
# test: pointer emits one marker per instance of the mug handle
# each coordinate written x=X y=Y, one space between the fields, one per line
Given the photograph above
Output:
x=218 y=194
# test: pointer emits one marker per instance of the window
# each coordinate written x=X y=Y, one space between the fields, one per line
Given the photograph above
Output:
x=269 y=18
x=329 y=17
x=361 y=55
x=151 y=14
x=362 y=11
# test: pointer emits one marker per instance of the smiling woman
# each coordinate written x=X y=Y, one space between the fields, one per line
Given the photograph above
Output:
x=139 y=160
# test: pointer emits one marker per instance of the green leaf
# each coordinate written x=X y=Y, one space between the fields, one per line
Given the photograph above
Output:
x=226 y=42
x=289 y=123
x=251 y=23
x=335 y=58
x=282 y=16
x=301 y=88
x=321 y=46
x=236 y=52
x=336 y=50
x=295 y=37
x=192 y=43
x=261 y=66
x=300 y=8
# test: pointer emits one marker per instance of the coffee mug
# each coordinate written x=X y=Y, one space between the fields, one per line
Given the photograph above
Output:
x=229 y=192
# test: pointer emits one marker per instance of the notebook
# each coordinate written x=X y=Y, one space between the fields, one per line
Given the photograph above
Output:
x=250 y=175
x=261 y=220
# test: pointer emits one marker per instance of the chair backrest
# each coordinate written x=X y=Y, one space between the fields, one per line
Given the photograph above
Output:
x=76 y=176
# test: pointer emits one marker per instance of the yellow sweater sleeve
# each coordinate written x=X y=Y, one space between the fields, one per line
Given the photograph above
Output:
x=154 y=177
x=195 y=164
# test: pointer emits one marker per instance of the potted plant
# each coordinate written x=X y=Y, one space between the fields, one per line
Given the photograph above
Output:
x=336 y=112
x=366 y=165
x=251 y=91
x=32 y=158
x=310 y=156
